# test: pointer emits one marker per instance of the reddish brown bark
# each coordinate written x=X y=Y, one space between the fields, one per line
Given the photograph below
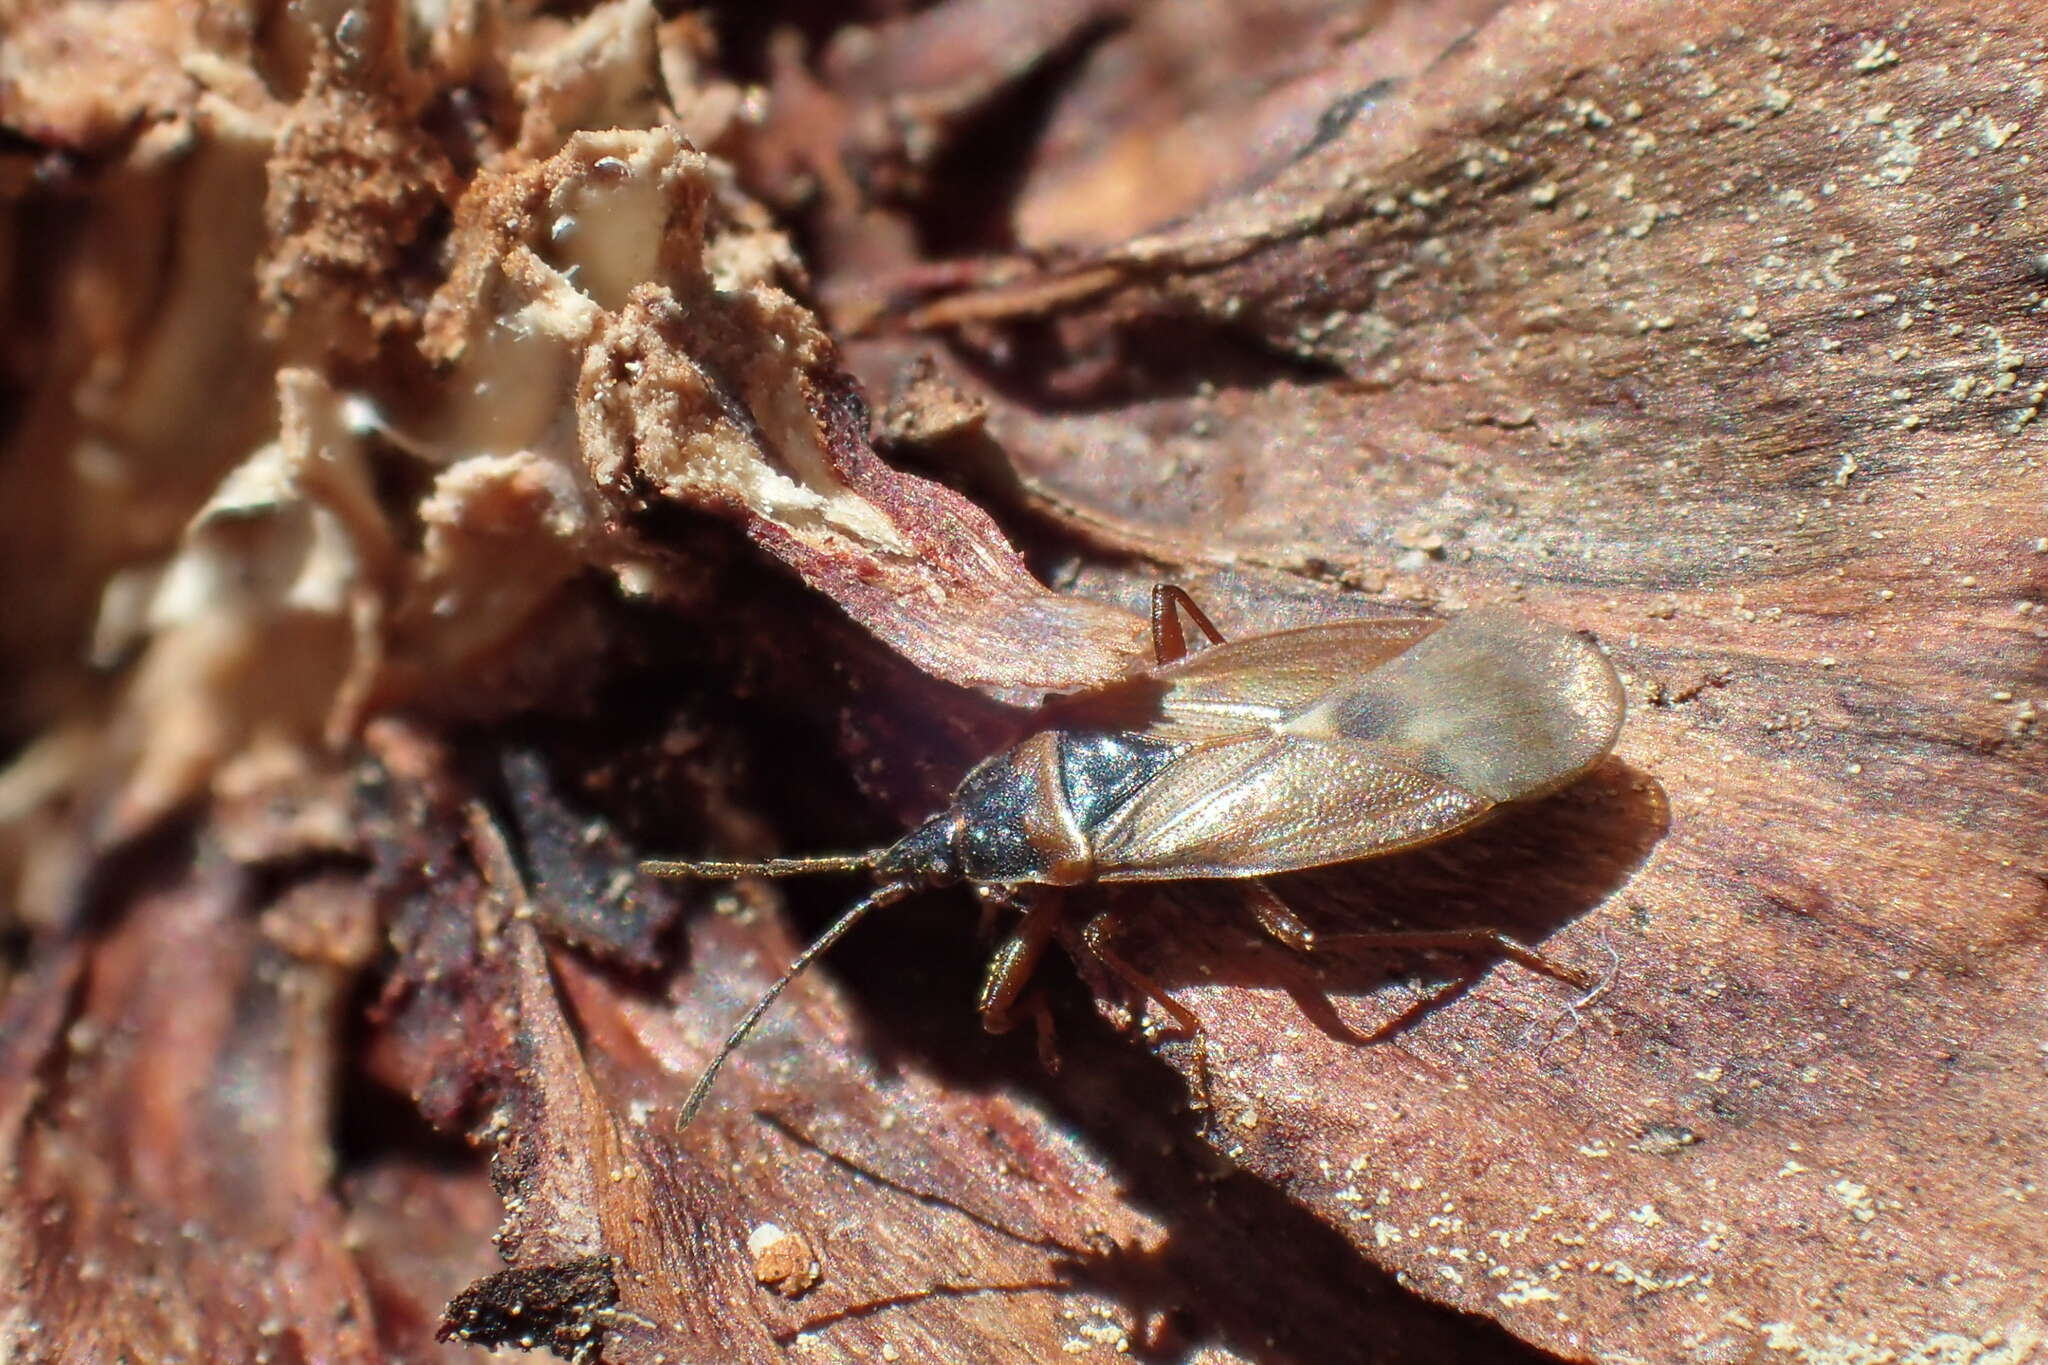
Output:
x=436 y=477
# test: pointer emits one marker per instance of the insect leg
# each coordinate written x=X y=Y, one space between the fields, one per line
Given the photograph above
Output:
x=992 y=901
x=1276 y=919
x=1096 y=934
x=1169 y=639
x=1481 y=942
x=1283 y=924
x=1009 y=971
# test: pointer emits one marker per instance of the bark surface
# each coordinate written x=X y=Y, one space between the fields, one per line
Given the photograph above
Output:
x=451 y=454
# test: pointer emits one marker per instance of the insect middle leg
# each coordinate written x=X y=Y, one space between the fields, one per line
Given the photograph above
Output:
x=1097 y=934
x=1282 y=923
x=1169 y=638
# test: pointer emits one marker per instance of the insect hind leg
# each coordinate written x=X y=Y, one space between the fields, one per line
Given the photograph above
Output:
x=1097 y=933
x=1278 y=920
x=1283 y=924
x=1169 y=637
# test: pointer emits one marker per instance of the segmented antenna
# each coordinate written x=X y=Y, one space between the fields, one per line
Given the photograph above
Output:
x=764 y=867
x=887 y=894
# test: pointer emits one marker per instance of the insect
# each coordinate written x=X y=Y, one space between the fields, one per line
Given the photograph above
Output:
x=1263 y=755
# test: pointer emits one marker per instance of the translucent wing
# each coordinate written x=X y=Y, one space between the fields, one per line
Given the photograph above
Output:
x=1245 y=684
x=1497 y=703
x=1491 y=707
x=1265 y=678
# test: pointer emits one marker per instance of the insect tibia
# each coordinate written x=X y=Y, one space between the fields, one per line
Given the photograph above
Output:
x=765 y=867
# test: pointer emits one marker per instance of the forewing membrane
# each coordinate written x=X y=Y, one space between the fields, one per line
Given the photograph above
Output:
x=1496 y=703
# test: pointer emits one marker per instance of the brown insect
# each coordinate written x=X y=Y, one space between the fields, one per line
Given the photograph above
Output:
x=1271 y=754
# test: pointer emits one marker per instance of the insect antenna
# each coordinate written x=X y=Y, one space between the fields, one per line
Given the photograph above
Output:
x=764 y=867
x=886 y=894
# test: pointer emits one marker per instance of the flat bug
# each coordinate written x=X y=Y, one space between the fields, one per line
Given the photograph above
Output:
x=1269 y=754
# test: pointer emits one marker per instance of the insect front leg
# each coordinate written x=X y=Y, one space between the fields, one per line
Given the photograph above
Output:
x=1169 y=639
x=1283 y=924
x=993 y=901
x=1009 y=970
x=1097 y=934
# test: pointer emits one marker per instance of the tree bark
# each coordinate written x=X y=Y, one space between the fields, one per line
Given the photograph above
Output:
x=451 y=457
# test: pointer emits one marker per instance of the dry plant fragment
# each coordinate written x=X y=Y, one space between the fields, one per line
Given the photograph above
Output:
x=783 y=1261
x=361 y=453
x=274 y=523
x=629 y=261
x=557 y=1307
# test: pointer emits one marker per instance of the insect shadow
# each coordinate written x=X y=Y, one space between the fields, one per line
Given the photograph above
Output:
x=1302 y=1298
x=1528 y=873
x=1524 y=875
